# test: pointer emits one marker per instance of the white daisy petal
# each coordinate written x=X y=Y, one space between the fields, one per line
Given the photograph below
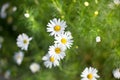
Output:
x=56 y=63
x=45 y=58
x=84 y=79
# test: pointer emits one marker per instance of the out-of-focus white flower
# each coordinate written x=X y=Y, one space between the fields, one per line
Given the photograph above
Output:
x=56 y=26
x=98 y=39
x=27 y=15
x=117 y=2
x=57 y=51
x=76 y=47
x=18 y=57
x=96 y=1
x=89 y=74
x=50 y=61
x=14 y=8
x=96 y=13
x=116 y=73
x=86 y=3
x=111 y=5
x=3 y=13
x=64 y=39
x=7 y=74
x=34 y=67
x=23 y=41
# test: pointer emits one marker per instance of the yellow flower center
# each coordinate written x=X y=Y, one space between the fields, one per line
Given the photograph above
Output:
x=52 y=59
x=63 y=40
x=57 y=28
x=57 y=50
x=25 y=41
x=90 y=76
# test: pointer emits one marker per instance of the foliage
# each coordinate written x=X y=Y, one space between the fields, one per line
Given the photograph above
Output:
x=84 y=25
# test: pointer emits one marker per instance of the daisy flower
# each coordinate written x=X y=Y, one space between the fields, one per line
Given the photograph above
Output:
x=98 y=39
x=56 y=26
x=7 y=74
x=18 y=57
x=89 y=74
x=86 y=3
x=4 y=7
x=64 y=39
x=96 y=13
x=34 y=67
x=111 y=5
x=116 y=73
x=117 y=2
x=23 y=41
x=57 y=51
x=27 y=15
x=49 y=61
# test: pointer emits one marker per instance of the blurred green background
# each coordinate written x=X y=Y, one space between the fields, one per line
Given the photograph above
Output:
x=99 y=18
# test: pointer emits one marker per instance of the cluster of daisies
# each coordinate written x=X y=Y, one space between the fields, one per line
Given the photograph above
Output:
x=63 y=41
x=23 y=42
